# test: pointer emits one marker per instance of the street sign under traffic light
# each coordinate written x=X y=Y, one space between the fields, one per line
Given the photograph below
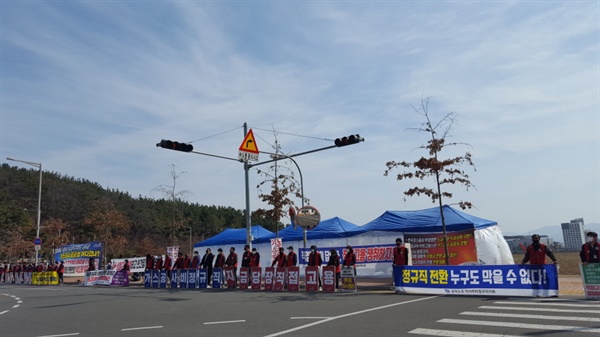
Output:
x=352 y=139
x=177 y=146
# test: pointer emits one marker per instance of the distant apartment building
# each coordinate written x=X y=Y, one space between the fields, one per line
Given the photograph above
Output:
x=573 y=234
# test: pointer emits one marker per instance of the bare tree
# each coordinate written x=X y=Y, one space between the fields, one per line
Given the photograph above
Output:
x=443 y=171
x=170 y=192
x=279 y=183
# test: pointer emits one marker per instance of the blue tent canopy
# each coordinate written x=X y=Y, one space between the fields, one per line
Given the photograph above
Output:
x=330 y=228
x=424 y=221
x=233 y=236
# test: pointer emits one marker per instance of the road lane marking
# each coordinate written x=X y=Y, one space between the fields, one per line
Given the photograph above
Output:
x=309 y=317
x=522 y=325
x=450 y=333
x=143 y=328
x=553 y=304
x=14 y=306
x=62 y=335
x=565 y=318
x=348 y=315
x=225 y=322
x=538 y=309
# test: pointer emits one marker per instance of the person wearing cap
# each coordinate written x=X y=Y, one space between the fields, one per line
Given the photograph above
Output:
x=590 y=251
x=350 y=258
x=280 y=259
x=292 y=258
x=400 y=254
x=536 y=252
x=334 y=260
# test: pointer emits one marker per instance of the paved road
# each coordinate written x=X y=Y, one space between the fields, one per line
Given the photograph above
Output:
x=134 y=311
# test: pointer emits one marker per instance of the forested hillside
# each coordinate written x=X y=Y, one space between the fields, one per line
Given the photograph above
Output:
x=76 y=210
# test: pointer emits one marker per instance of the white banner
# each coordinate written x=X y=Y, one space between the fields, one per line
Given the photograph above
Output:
x=136 y=264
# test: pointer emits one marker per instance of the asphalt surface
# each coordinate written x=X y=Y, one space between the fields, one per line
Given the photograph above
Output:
x=74 y=310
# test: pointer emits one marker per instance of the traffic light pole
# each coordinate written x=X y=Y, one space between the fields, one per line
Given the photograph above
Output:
x=353 y=139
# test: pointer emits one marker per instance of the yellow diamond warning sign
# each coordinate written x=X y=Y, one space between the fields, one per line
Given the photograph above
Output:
x=249 y=144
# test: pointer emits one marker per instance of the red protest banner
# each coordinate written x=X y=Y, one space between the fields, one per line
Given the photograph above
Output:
x=256 y=273
x=244 y=277
x=230 y=276
x=329 y=278
x=311 y=278
x=279 y=279
x=269 y=277
x=293 y=278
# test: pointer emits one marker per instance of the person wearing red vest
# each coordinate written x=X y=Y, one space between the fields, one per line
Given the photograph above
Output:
x=168 y=267
x=158 y=265
x=220 y=259
x=195 y=261
x=232 y=261
x=314 y=260
x=292 y=258
x=186 y=262
x=254 y=258
x=149 y=262
x=350 y=258
x=334 y=260
x=400 y=254
x=280 y=259
x=536 y=252
x=61 y=272
x=590 y=251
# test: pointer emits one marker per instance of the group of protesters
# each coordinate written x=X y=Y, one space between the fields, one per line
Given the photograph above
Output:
x=14 y=272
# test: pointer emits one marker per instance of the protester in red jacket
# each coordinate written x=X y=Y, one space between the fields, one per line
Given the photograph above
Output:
x=536 y=252
x=195 y=261
x=350 y=258
x=220 y=259
x=590 y=251
x=400 y=254
x=292 y=258
x=158 y=265
x=314 y=260
x=280 y=259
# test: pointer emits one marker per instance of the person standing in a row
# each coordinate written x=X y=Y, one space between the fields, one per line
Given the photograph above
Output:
x=280 y=259
x=350 y=258
x=334 y=260
x=590 y=251
x=400 y=254
x=232 y=261
x=536 y=252
x=292 y=258
x=207 y=263
x=314 y=260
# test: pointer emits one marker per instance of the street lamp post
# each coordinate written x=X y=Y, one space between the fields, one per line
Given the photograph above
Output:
x=39 y=206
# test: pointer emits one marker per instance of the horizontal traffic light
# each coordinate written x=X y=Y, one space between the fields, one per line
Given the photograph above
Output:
x=177 y=146
x=352 y=139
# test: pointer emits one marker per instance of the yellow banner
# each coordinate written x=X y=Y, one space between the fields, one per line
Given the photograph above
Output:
x=44 y=278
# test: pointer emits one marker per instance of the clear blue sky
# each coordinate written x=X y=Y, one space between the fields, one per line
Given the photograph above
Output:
x=89 y=87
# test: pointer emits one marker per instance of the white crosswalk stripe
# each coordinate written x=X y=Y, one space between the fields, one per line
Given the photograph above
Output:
x=513 y=315
x=450 y=333
x=562 y=318
x=566 y=328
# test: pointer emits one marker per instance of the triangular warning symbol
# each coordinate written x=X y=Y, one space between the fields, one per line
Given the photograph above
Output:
x=249 y=144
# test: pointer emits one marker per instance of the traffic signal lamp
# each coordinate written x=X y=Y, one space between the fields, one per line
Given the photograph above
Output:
x=177 y=146
x=352 y=139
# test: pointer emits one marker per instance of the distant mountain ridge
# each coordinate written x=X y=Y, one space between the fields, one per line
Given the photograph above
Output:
x=554 y=232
